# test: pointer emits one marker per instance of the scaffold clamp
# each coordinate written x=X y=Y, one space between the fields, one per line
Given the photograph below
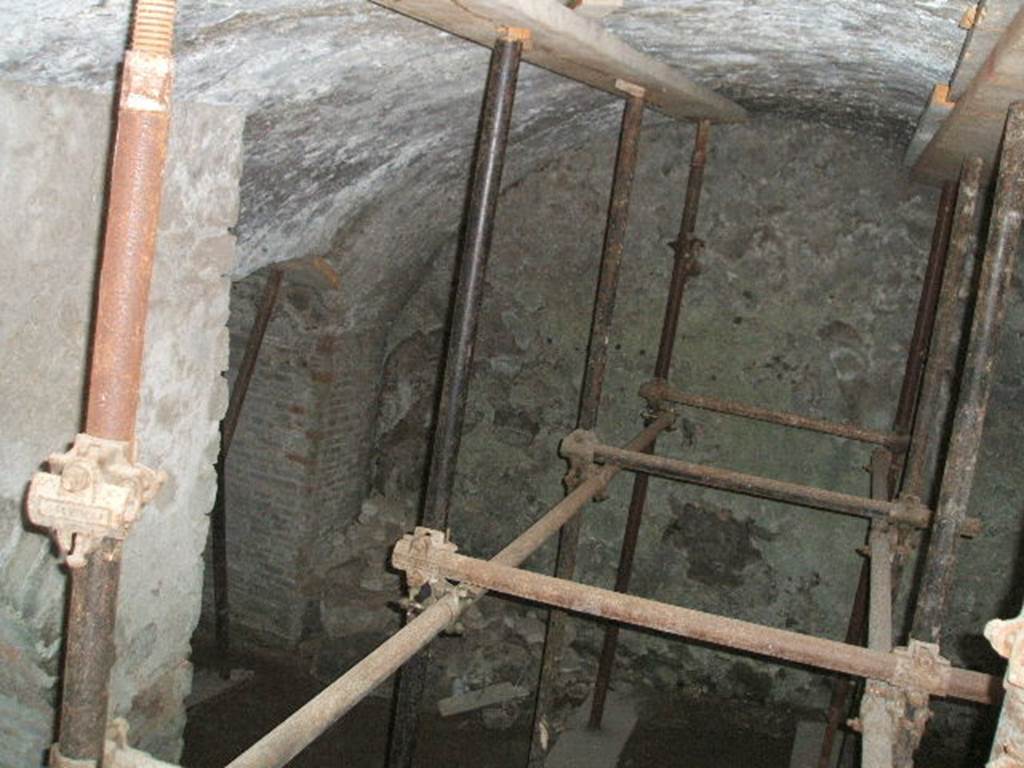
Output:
x=94 y=491
x=578 y=449
x=920 y=667
x=1007 y=638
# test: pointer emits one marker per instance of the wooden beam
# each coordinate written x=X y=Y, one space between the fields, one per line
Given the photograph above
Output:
x=576 y=47
x=974 y=127
x=938 y=109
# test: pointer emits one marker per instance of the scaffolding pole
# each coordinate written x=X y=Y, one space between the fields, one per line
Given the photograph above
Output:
x=876 y=721
x=590 y=398
x=418 y=555
x=684 y=266
x=661 y=391
x=94 y=493
x=965 y=440
x=499 y=97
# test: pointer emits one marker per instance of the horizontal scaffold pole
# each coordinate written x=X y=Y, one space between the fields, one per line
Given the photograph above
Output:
x=584 y=446
x=662 y=391
x=417 y=555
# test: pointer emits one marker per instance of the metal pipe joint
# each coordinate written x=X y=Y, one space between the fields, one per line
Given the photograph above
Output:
x=412 y=554
x=1007 y=638
x=92 y=492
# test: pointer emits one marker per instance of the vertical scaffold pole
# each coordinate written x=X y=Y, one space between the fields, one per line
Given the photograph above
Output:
x=492 y=141
x=972 y=405
x=129 y=248
x=593 y=384
x=917 y=366
x=684 y=266
x=938 y=379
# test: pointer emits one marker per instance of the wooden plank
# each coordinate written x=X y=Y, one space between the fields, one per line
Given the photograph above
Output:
x=975 y=126
x=576 y=47
x=938 y=109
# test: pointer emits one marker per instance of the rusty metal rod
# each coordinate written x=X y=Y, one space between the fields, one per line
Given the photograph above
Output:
x=129 y=246
x=925 y=335
x=931 y=422
x=972 y=406
x=247 y=366
x=299 y=730
x=965 y=441
x=924 y=323
x=684 y=266
x=611 y=262
x=661 y=390
x=685 y=251
x=218 y=516
x=495 y=119
x=880 y=559
x=693 y=625
x=755 y=485
x=931 y=419
x=856 y=629
x=590 y=399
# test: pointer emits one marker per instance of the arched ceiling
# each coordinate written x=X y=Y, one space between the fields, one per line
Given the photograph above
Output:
x=352 y=108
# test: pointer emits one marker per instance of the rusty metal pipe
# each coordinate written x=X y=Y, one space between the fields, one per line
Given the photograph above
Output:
x=755 y=485
x=495 y=119
x=965 y=441
x=293 y=735
x=658 y=389
x=684 y=266
x=593 y=385
x=611 y=262
x=841 y=685
x=926 y=334
x=938 y=378
x=924 y=323
x=247 y=366
x=89 y=653
x=880 y=559
x=972 y=406
x=690 y=624
x=685 y=249
x=136 y=178
x=136 y=185
x=877 y=724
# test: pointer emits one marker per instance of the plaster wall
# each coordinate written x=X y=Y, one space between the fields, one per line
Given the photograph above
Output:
x=54 y=146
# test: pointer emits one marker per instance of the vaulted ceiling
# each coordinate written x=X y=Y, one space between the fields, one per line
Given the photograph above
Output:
x=352 y=108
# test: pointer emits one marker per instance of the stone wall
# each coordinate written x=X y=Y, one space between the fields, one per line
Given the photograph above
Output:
x=816 y=244
x=54 y=147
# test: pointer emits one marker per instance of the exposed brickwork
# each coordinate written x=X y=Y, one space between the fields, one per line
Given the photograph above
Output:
x=297 y=469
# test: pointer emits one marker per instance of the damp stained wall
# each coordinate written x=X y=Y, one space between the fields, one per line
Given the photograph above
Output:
x=815 y=248
x=54 y=150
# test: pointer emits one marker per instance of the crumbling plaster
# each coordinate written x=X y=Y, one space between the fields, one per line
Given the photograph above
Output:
x=54 y=143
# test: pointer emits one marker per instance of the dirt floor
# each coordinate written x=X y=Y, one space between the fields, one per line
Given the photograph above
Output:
x=710 y=736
